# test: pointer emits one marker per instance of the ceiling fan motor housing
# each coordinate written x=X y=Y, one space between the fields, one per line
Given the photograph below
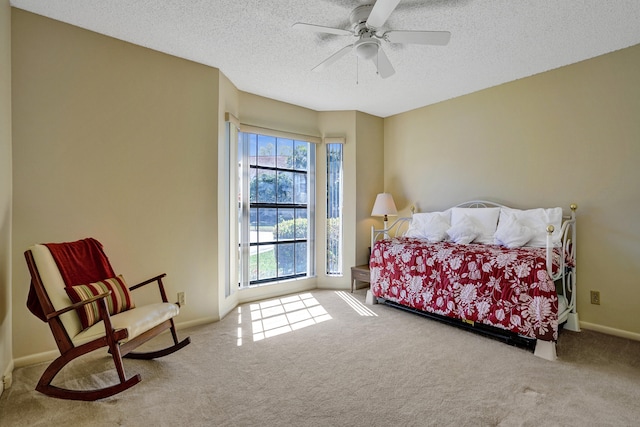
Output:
x=359 y=16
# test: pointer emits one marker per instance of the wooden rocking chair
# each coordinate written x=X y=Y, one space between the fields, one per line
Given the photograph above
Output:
x=50 y=299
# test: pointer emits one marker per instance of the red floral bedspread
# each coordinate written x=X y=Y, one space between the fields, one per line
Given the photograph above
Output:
x=489 y=284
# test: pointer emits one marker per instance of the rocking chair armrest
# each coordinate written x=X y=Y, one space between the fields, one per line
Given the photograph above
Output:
x=77 y=305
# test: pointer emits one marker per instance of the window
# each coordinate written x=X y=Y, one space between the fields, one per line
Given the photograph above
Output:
x=334 y=209
x=276 y=208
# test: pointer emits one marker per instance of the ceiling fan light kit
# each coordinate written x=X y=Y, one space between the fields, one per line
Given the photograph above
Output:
x=366 y=48
x=366 y=20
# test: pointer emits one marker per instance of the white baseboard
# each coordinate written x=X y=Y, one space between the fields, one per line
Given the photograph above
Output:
x=34 y=359
x=610 y=331
x=197 y=322
x=7 y=378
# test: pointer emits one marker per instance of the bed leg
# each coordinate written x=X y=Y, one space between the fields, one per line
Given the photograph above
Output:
x=370 y=300
x=573 y=323
x=546 y=350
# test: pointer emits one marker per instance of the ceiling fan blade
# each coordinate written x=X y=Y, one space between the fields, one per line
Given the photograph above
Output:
x=333 y=58
x=382 y=63
x=439 y=38
x=380 y=12
x=321 y=29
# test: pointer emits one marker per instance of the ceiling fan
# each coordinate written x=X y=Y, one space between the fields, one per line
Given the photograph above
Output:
x=366 y=26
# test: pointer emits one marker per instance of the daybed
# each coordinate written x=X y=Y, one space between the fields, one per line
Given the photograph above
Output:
x=506 y=272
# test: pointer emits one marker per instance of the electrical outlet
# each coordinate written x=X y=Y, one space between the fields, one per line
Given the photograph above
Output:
x=595 y=297
x=182 y=299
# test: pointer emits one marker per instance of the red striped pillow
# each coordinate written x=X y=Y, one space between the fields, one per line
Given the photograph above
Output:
x=119 y=300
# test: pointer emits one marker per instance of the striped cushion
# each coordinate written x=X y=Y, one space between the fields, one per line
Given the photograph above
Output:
x=119 y=300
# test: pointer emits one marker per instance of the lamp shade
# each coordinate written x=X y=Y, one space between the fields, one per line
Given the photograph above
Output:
x=384 y=205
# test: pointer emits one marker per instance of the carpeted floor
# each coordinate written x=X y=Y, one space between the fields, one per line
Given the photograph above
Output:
x=322 y=358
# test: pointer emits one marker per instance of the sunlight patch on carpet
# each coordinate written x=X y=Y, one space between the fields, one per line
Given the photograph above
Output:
x=353 y=302
x=282 y=315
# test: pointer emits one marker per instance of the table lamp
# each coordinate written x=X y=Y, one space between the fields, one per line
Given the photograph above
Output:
x=384 y=206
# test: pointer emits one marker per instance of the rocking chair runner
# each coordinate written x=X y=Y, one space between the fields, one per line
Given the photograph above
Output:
x=121 y=333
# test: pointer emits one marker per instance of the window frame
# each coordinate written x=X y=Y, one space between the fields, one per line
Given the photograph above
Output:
x=334 y=220
x=246 y=205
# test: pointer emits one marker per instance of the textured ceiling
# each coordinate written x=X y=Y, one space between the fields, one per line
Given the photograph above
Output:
x=253 y=43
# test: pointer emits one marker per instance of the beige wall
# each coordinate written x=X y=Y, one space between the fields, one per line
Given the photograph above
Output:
x=370 y=180
x=117 y=142
x=570 y=135
x=268 y=113
x=6 y=361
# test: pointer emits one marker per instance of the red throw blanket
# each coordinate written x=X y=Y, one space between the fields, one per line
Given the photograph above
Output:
x=80 y=262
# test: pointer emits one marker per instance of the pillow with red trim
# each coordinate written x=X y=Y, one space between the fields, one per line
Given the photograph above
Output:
x=120 y=299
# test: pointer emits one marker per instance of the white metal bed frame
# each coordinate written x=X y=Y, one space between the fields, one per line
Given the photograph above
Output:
x=565 y=273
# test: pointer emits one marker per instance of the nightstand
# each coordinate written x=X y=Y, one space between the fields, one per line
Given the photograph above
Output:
x=360 y=273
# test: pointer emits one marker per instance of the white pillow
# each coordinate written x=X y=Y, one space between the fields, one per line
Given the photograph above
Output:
x=486 y=219
x=465 y=230
x=538 y=220
x=511 y=232
x=429 y=225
